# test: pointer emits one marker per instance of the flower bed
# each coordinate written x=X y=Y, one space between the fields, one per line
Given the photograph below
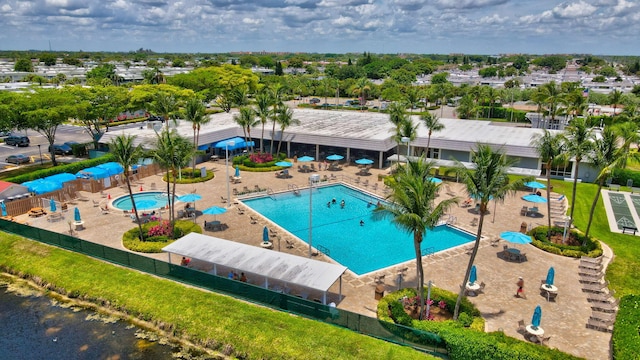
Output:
x=576 y=246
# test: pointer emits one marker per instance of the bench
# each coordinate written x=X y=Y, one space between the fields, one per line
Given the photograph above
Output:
x=630 y=228
x=615 y=187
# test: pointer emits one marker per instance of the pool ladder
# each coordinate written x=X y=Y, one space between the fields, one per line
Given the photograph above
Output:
x=323 y=250
x=428 y=251
x=270 y=193
x=295 y=189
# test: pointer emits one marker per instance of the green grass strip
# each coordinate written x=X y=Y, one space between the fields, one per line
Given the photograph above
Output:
x=254 y=332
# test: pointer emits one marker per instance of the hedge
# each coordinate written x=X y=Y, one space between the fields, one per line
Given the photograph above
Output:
x=591 y=247
x=626 y=330
x=191 y=176
x=621 y=176
x=64 y=168
x=131 y=241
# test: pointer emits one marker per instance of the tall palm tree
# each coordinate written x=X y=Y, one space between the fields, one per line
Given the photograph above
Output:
x=615 y=98
x=553 y=98
x=486 y=181
x=277 y=102
x=628 y=131
x=127 y=154
x=550 y=149
x=263 y=112
x=165 y=105
x=412 y=98
x=246 y=118
x=397 y=116
x=172 y=152
x=579 y=144
x=412 y=207
x=285 y=119
x=432 y=123
x=362 y=87
x=576 y=103
x=407 y=130
x=606 y=156
x=194 y=112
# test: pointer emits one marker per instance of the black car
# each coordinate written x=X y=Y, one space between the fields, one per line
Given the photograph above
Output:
x=17 y=140
x=314 y=101
x=18 y=159
x=155 y=118
x=61 y=149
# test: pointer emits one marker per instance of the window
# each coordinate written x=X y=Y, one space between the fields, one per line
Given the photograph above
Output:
x=562 y=171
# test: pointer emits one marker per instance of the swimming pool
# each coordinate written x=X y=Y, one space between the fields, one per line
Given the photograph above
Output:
x=375 y=245
x=150 y=200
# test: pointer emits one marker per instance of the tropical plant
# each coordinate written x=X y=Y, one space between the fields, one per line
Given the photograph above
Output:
x=165 y=104
x=487 y=180
x=615 y=98
x=550 y=149
x=194 y=112
x=579 y=144
x=628 y=131
x=127 y=154
x=397 y=116
x=263 y=112
x=246 y=118
x=432 y=123
x=284 y=117
x=275 y=92
x=411 y=206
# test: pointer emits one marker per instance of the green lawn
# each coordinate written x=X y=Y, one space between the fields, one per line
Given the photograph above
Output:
x=204 y=317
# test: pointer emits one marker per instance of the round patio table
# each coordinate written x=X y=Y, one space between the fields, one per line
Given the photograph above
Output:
x=535 y=331
x=472 y=287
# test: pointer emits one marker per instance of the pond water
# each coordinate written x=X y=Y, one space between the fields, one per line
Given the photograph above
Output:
x=35 y=327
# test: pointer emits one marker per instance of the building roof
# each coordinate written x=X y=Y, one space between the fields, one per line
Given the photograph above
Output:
x=288 y=268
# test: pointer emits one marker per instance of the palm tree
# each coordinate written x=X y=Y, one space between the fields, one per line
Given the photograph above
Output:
x=194 y=112
x=263 y=112
x=579 y=144
x=285 y=118
x=127 y=154
x=165 y=105
x=553 y=98
x=406 y=130
x=397 y=116
x=172 y=152
x=432 y=123
x=628 y=131
x=412 y=98
x=275 y=92
x=550 y=149
x=246 y=119
x=606 y=156
x=615 y=98
x=412 y=207
x=486 y=181
x=362 y=87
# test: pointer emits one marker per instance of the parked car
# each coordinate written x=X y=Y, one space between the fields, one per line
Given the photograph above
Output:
x=314 y=101
x=18 y=159
x=61 y=149
x=5 y=133
x=17 y=140
x=155 y=118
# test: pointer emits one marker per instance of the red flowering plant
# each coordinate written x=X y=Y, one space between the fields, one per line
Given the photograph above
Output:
x=162 y=229
x=442 y=304
x=260 y=158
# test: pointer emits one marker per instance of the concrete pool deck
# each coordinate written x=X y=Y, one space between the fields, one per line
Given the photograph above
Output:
x=564 y=320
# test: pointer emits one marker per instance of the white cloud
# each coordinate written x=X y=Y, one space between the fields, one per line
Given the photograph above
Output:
x=574 y=10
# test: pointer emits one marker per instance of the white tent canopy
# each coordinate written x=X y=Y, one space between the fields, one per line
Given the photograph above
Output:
x=287 y=268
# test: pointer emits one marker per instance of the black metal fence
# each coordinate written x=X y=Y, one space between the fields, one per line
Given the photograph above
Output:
x=421 y=340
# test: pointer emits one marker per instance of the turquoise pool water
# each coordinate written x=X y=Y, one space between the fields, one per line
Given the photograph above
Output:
x=375 y=245
x=150 y=200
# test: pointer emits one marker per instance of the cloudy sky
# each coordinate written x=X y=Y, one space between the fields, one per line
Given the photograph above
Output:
x=338 y=26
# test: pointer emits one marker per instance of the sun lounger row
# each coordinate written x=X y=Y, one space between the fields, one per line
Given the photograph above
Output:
x=599 y=287
x=600 y=325
x=590 y=260
x=608 y=307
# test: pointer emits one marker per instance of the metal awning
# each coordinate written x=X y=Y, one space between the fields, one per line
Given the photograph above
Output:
x=468 y=165
x=287 y=268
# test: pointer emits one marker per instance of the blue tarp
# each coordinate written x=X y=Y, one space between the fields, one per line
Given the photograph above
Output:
x=238 y=143
x=61 y=178
x=95 y=173
x=42 y=186
x=113 y=168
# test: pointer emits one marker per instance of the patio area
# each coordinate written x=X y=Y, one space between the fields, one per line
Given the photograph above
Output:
x=564 y=320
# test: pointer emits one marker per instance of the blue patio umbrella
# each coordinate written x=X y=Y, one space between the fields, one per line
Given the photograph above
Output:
x=335 y=157
x=534 y=198
x=4 y=208
x=364 y=161
x=265 y=234
x=283 y=164
x=190 y=198
x=305 y=159
x=473 y=276
x=237 y=174
x=535 y=185
x=436 y=181
x=52 y=205
x=515 y=237
x=76 y=215
x=537 y=317
x=550 y=275
x=214 y=210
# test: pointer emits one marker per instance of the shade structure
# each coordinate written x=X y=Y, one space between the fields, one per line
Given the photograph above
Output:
x=473 y=276
x=233 y=143
x=3 y=207
x=535 y=185
x=550 y=276
x=112 y=168
x=265 y=234
x=41 y=186
x=515 y=237
x=52 y=205
x=534 y=198
x=237 y=174
x=364 y=161
x=95 y=173
x=189 y=198
x=61 y=178
x=283 y=164
x=335 y=157
x=436 y=181
x=537 y=317
x=214 y=210
x=76 y=215
x=305 y=159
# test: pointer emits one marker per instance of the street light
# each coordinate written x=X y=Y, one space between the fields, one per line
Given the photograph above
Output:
x=226 y=147
x=40 y=152
x=313 y=178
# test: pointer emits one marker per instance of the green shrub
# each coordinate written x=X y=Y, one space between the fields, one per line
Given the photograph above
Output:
x=465 y=319
x=626 y=330
x=590 y=247
x=65 y=168
x=189 y=176
x=621 y=176
x=154 y=244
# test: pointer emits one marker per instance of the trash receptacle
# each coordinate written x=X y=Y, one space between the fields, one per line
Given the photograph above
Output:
x=379 y=292
x=523 y=227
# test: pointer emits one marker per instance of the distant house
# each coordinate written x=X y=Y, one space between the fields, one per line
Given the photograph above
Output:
x=9 y=191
